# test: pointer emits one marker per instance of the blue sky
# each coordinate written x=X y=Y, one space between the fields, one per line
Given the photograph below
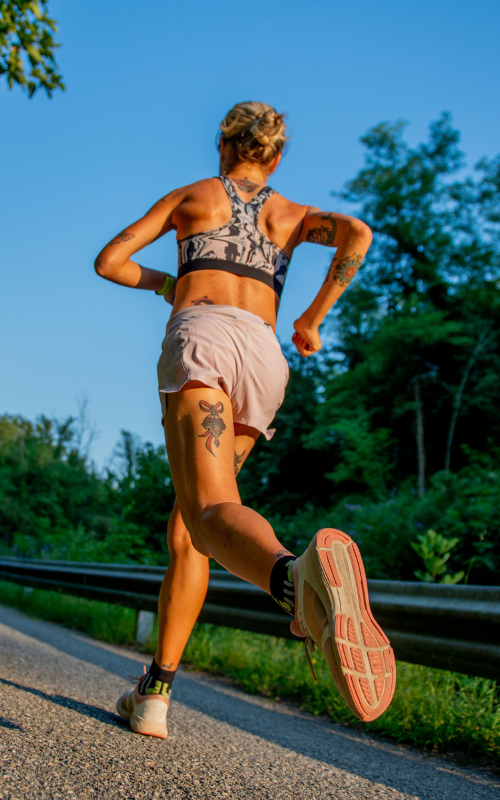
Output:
x=146 y=87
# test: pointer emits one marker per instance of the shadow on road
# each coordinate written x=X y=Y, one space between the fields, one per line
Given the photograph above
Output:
x=6 y=723
x=66 y=702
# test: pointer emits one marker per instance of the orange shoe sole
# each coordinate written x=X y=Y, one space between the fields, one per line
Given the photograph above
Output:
x=360 y=657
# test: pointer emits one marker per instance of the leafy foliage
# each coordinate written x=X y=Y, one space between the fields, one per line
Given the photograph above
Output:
x=52 y=502
x=146 y=490
x=434 y=550
x=27 y=47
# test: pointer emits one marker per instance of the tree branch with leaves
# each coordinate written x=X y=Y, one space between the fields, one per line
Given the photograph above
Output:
x=27 y=46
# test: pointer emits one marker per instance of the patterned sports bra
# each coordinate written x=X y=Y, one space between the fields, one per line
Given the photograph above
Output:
x=239 y=246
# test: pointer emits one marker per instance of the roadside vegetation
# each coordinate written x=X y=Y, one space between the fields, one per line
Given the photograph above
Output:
x=432 y=709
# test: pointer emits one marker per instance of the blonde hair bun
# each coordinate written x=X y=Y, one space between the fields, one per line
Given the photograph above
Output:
x=252 y=132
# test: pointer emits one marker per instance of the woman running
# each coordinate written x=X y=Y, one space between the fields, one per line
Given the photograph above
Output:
x=222 y=377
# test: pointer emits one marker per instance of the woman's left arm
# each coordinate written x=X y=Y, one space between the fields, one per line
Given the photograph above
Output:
x=352 y=238
x=113 y=262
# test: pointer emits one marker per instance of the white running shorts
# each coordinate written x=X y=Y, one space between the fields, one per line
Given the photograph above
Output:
x=230 y=349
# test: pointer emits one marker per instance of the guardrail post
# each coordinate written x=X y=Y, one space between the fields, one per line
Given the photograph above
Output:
x=143 y=626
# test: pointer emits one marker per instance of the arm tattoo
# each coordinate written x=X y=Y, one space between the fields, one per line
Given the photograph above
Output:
x=202 y=301
x=237 y=460
x=124 y=236
x=245 y=185
x=214 y=425
x=342 y=271
x=324 y=234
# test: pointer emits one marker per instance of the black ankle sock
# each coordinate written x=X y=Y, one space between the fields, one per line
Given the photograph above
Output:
x=157 y=680
x=282 y=588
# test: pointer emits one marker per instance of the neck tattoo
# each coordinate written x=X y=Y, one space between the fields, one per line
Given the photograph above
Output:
x=245 y=185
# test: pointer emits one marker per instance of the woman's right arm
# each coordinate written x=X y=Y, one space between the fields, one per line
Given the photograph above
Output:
x=114 y=263
x=352 y=238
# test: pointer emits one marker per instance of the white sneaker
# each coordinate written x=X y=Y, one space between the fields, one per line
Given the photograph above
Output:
x=332 y=611
x=147 y=713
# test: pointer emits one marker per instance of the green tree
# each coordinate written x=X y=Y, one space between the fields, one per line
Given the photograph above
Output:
x=432 y=233
x=27 y=47
x=417 y=338
x=146 y=490
x=53 y=504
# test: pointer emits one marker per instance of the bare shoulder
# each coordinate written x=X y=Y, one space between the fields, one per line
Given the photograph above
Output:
x=282 y=221
x=189 y=202
x=201 y=188
x=281 y=205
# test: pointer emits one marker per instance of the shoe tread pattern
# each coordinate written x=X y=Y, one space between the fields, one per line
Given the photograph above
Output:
x=363 y=651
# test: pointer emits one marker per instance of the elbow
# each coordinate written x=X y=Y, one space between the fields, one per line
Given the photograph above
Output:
x=362 y=231
x=102 y=267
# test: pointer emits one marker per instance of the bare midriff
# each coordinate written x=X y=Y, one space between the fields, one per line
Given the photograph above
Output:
x=214 y=287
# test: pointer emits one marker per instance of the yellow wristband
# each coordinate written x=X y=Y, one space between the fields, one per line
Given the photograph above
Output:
x=167 y=284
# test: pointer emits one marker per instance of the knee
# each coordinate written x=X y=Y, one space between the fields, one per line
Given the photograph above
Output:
x=179 y=540
x=194 y=533
x=183 y=542
x=205 y=518
x=201 y=524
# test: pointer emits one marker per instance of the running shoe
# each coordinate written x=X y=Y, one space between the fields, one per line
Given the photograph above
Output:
x=147 y=713
x=332 y=611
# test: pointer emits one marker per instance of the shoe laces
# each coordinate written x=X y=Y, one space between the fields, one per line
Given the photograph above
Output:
x=308 y=642
x=134 y=679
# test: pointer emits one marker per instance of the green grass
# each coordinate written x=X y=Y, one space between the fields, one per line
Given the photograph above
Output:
x=109 y=623
x=432 y=709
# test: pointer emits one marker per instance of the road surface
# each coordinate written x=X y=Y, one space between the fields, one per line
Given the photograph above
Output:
x=60 y=736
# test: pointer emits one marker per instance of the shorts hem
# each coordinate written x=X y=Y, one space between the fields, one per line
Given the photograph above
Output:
x=171 y=388
x=258 y=425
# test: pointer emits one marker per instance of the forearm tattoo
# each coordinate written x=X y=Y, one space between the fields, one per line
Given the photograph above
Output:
x=124 y=236
x=324 y=234
x=238 y=460
x=214 y=424
x=343 y=270
x=245 y=185
x=202 y=301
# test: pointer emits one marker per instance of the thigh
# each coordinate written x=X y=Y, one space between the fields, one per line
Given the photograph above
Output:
x=244 y=440
x=178 y=537
x=200 y=442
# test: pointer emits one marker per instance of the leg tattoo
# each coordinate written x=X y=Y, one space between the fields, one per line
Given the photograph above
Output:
x=237 y=461
x=214 y=424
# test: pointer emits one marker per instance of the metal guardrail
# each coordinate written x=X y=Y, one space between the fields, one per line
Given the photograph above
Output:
x=436 y=625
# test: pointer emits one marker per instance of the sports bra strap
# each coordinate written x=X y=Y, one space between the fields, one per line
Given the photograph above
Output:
x=260 y=198
x=251 y=207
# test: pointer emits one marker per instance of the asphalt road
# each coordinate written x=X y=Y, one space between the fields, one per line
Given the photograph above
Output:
x=60 y=737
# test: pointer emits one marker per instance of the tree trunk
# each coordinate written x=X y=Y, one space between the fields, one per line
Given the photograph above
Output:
x=457 y=400
x=419 y=435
